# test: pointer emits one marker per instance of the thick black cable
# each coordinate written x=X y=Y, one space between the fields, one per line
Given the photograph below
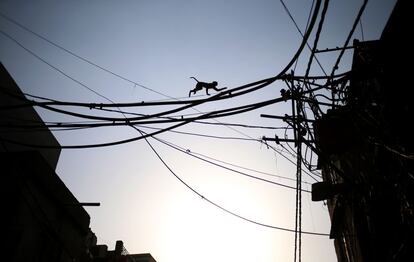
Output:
x=257 y=84
x=240 y=90
x=53 y=102
x=317 y=35
x=242 y=109
x=86 y=60
x=112 y=104
x=297 y=54
x=217 y=205
x=338 y=60
x=44 y=128
x=300 y=32
x=202 y=196
x=119 y=142
x=135 y=119
x=335 y=67
x=96 y=124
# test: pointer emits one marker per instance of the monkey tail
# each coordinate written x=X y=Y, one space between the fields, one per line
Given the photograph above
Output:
x=194 y=78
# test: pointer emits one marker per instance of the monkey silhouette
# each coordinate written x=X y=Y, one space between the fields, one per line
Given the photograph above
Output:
x=200 y=85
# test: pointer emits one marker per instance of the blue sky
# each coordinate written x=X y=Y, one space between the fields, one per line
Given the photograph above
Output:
x=160 y=44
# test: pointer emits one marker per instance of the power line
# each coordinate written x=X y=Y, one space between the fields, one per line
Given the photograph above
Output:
x=318 y=32
x=94 y=64
x=249 y=169
x=217 y=160
x=221 y=166
x=361 y=11
x=244 y=108
x=335 y=67
x=223 y=113
x=144 y=136
x=300 y=31
x=188 y=104
x=362 y=29
x=52 y=66
x=231 y=92
x=255 y=86
x=133 y=120
x=217 y=205
x=205 y=135
x=44 y=128
x=307 y=24
x=136 y=120
x=80 y=57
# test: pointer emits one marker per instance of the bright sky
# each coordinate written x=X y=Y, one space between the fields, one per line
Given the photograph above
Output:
x=160 y=44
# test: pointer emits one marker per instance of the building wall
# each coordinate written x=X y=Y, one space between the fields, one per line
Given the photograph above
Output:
x=44 y=220
x=367 y=147
x=10 y=95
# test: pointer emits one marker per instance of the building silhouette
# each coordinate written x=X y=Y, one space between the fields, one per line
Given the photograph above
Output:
x=366 y=150
x=119 y=254
x=41 y=219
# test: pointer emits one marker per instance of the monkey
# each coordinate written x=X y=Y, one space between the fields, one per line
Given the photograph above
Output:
x=207 y=86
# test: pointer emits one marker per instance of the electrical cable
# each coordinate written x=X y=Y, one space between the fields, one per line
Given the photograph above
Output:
x=94 y=64
x=256 y=85
x=221 y=166
x=306 y=28
x=78 y=56
x=241 y=109
x=361 y=11
x=226 y=94
x=50 y=65
x=300 y=32
x=318 y=32
x=238 y=125
x=217 y=205
x=362 y=29
x=204 y=135
x=134 y=119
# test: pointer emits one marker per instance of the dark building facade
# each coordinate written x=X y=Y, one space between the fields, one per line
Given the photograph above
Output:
x=44 y=220
x=14 y=118
x=41 y=219
x=119 y=254
x=367 y=147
